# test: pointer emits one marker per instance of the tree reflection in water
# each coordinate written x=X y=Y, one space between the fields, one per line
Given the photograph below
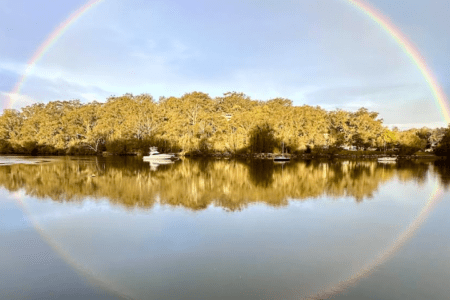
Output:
x=442 y=168
x=197 y=184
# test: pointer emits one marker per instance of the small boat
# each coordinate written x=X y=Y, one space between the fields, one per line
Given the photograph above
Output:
x=156 y=156
x=281 y=157
x=387 y=159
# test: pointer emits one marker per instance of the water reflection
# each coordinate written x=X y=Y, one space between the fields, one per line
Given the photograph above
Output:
x=304 y=249
x=442 y=168
x=197 y=184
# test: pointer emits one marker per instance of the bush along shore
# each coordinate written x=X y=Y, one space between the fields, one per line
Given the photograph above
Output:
x=197 y=125
x=344 y=154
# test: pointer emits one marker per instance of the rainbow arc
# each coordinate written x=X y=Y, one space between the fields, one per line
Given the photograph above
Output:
x=385 y=23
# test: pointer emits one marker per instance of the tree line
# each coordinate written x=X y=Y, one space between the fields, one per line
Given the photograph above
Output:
x=197 y=123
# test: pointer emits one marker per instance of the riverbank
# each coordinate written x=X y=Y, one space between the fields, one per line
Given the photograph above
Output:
x=320 y=155
x=18 y=158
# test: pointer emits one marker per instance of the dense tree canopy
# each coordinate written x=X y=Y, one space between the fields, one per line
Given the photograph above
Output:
x=196 y=122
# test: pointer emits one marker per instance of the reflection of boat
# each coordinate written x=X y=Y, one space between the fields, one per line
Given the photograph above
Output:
x=387 y=159
x=281 y=157
x=154 y=164
x=156 y=156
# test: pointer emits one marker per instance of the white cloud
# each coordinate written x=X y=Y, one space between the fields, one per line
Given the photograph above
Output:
x=318 y=54
x=90 y=97
x=405 y=126
x=15 y=67
x=15 y=101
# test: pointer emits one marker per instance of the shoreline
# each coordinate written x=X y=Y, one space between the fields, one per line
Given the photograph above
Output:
x=226 y=155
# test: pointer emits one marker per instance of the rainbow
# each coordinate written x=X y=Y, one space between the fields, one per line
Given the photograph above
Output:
x=384 y=255
x=48 y=43
x=410 y=50
x=385 y=23
x=434 y=198
x=364 y=7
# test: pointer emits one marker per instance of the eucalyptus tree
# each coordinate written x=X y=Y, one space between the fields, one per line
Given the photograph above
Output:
x=235 y=119
x=278 y=118
x=82 y=126
x=340 y=131
x=201 y=113
x=171 y=127
x=187 y=120
x=366 y=128
x=311 y=126
x=47 y=125
x=112 y=120
x=410 y=142
x=143 y=118
x=388 y=138
x=11 y=122
x=33 y=117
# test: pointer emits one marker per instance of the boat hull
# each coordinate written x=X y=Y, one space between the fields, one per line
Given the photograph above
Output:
x=149 y=158
x=281 y=158
x=387 y=159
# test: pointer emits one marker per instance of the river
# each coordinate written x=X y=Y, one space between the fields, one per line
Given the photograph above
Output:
x=122 y=228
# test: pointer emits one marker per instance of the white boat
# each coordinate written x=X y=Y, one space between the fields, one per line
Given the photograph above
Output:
x=281 y=157
x=387 y=159
x=156 y=156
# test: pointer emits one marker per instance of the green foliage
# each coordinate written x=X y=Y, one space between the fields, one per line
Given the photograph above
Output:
x=262 y=139
x=117 y=147
x=79 y=150
x=5 y=147
x=443 y=149
x=197 y=123
x=30 y=147
x=408 y=150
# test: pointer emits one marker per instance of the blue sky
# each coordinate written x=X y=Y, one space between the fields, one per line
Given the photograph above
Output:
x=322 y=52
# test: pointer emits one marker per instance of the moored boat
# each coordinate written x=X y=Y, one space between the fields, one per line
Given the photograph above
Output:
x=281 y=157
x=387 y=159
x=156 y=156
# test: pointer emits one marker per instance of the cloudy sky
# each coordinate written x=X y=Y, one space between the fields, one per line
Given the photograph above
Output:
x=321 y=52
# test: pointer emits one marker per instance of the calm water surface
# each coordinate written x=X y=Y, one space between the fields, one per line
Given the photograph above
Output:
x=121 y=228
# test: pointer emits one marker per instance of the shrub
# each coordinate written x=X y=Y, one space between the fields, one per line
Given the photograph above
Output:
x=5 y=147
x=117 y=147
